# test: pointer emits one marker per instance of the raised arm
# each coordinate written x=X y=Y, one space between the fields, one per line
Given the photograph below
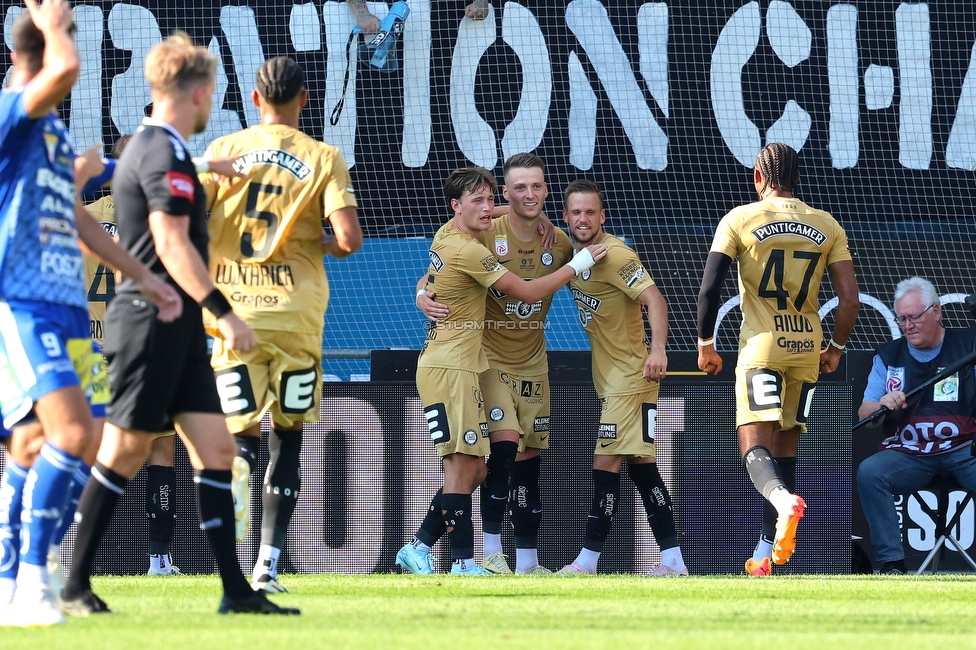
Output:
x=61 y=65
x=535 y=290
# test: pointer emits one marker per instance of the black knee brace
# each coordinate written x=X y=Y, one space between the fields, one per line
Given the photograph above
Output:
x=657 y=502
x=494 y=491
x=606 y=495
x=763 y=470
x=525 y=502
x=787 y=467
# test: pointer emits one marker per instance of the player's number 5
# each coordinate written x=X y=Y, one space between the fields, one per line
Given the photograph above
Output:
x=269 y=218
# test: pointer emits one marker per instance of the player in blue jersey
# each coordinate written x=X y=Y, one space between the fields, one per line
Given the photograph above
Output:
x=46 y=355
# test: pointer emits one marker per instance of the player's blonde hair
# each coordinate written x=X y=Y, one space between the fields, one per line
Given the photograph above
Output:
x=176 y=64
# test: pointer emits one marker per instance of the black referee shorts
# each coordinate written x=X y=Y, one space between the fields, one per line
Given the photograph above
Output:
x=156 y=370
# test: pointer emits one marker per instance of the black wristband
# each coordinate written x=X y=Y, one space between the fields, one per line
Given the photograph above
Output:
x=216 y=304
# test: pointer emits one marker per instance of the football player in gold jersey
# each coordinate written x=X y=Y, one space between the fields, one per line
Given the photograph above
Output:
x=266 y=246
x=461 y=272
x=783 y=247
x=516 y=384
x=627 y=371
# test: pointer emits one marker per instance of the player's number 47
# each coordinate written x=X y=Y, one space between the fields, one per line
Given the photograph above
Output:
x=775 y=271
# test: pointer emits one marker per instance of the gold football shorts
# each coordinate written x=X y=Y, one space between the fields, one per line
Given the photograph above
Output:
x=780 y=394
x=455 y=411
x=283 y=373
x=627 y=424
x=518 y=403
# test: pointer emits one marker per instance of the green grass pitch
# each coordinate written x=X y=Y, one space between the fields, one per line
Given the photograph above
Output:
x=612 y=611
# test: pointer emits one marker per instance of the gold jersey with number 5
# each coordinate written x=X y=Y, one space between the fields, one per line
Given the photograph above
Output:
x=266 y=232
x=783 y=247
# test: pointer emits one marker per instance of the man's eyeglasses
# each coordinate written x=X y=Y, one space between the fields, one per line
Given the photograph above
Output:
x=904 y=320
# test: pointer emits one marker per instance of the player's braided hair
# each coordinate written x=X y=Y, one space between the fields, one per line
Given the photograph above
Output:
x=779 y=166
x=584 y=186
x=279 y=80
x=468 y=179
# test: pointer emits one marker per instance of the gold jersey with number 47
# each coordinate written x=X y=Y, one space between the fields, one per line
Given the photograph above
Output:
x=783 y=247
x=266 y=231
x=100 y=278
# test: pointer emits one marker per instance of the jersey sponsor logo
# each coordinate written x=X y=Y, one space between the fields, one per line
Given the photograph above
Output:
x=924 y=436
x=895 y=379
x=279 y=158
x=501 y=245
x=607 y=432
x=66 y=265
x=436 y=261
x=61 y=186
x=437 y=423
x=585 y=315
x=522 y=310
x=255 y=301
x=546 y=259
x=631 y=273
x=778 y=228
x=235 y=391
x=496 y=414
x=585 y=299
x=298 y=390
x=648 y=422
x=255 y=275
x=110 y=228
x=764 y=388
x=180 y=185
x=541 y=425
x=484 y=429
x=490 y=263
x=470 y=437
x=496 y=293
x=585 y=275
x=796 y=346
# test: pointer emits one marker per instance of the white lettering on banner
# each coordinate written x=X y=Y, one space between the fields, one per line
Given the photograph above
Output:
x=135 y=29
x=589 y=22
x=842 y=72
x=961 y=147
x=475 y=138
x=915 y=85
x=920 y=528
x=86 y=95
x=357 y=421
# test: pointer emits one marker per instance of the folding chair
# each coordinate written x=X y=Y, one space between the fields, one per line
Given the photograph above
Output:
x=943 y=485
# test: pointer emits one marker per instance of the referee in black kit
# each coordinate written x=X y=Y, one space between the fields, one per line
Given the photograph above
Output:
x=160 y=373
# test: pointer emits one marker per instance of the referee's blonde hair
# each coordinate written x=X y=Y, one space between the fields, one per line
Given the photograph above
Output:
x=176 y=64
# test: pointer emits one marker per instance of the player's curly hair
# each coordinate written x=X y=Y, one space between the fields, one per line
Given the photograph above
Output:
x=468 y=179
x=779 y=166
x=279 y=80
x=176 y=64
x=584 y=186
x=523 y=161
